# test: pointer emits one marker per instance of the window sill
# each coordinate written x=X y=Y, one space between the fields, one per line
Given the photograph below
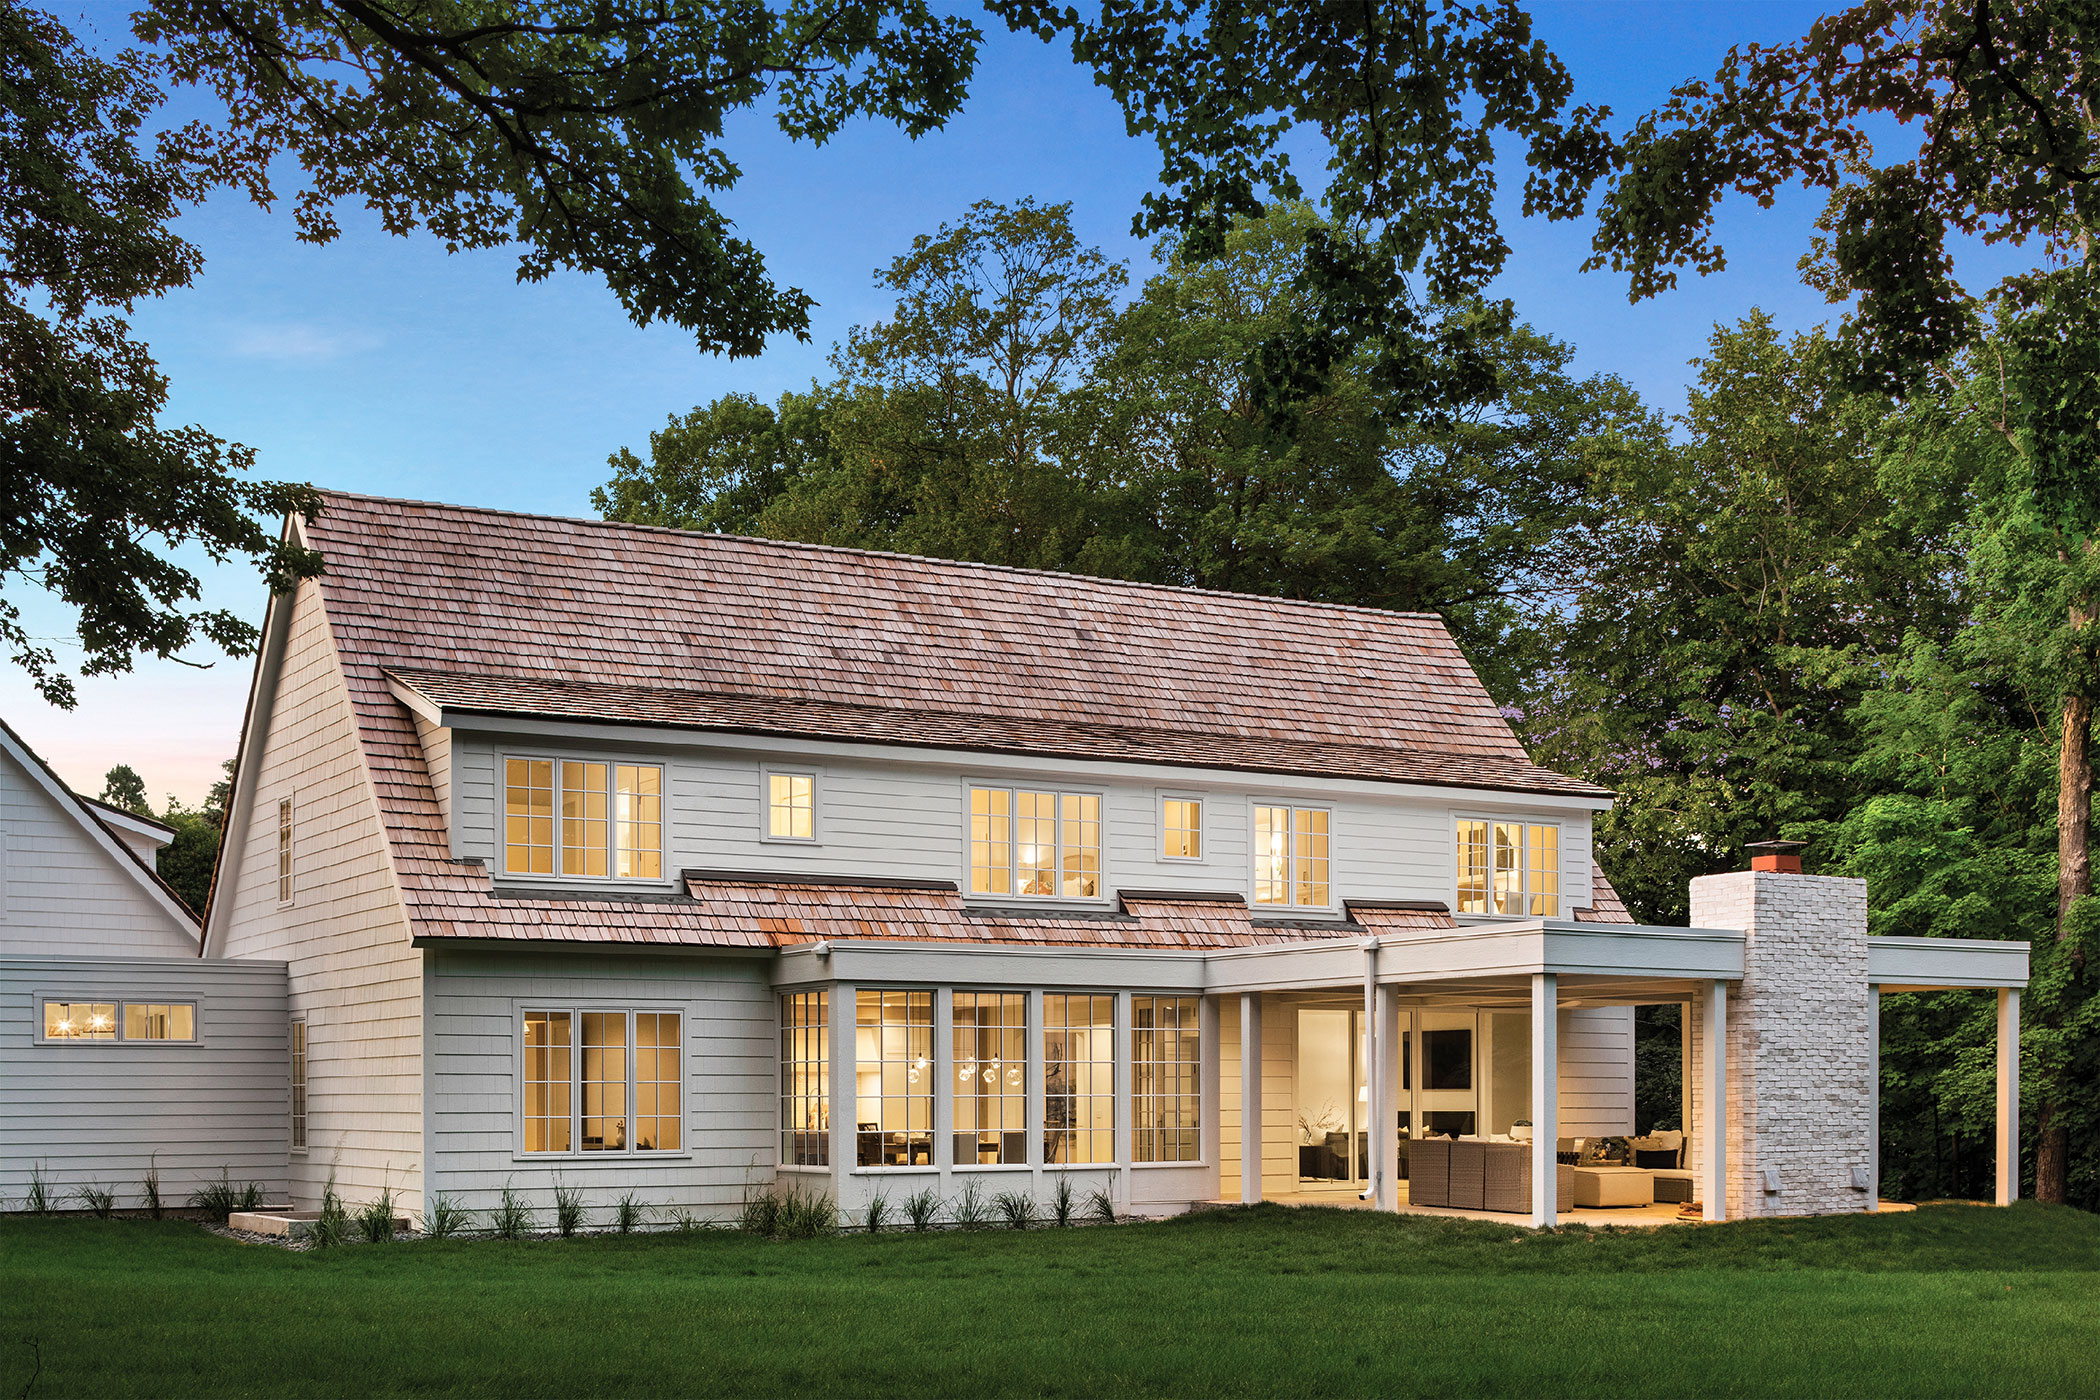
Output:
x=1155 y=1166
x=607 y=1159
x=803 y=1169
x=997 y=1167
x=894 y=1171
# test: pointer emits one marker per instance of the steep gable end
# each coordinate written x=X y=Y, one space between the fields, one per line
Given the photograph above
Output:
x=68 y=883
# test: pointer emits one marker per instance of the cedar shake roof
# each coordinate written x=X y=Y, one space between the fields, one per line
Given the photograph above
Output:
x=519 y=614
x=1605 y=906
x=484 y=609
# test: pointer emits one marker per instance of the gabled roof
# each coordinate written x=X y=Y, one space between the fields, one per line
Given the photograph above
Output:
x=492 y=612
x=100 y=830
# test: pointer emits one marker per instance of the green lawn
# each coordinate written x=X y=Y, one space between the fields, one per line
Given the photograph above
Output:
x=1948 y=1301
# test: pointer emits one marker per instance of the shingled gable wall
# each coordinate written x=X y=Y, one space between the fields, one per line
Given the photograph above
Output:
x=354 y=974
x=1800 y=1049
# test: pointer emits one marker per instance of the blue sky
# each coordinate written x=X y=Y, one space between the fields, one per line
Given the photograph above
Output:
x=383 y=365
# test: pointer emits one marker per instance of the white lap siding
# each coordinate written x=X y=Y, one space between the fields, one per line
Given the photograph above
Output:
x=1596 y=1071
x=103 y=1113
x=730 y=1072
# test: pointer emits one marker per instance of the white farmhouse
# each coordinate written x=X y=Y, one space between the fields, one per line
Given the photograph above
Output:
x=647 y=861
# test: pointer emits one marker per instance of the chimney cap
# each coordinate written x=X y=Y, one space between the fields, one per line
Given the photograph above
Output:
x=1778 y=848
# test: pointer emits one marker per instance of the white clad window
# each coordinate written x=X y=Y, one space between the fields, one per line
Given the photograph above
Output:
x=791 y=806
x=1040 y=845
x=139 y=1021
x=991 y=1079
x=284 y=851
x=1291 y=856
x=805 y=1079
x=1166 y=1079
x=602 y=1081
x=1079 y=1077
x=299 y=1086
x=583 y=820
x=1181 y=827
x=1508 y=867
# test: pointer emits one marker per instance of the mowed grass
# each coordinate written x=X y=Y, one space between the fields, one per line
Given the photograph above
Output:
x=1952 y=1300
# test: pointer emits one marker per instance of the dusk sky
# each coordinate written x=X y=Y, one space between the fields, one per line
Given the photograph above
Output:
x=383 y=365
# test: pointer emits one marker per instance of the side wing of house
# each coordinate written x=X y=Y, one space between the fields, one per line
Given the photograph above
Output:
x=69 y=884
x=304 y=877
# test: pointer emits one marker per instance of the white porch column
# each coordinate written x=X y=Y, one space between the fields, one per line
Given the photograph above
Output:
x=1873 y=1096
x=1684 y=1068
x=1250 y=1098
x=944 y=1082
x=1715 y=1129
x=1033 y=1114
x=1385 y=1102
x=1211 y=1087
x=1375 y=1150
x=845 y=1087
x=1545 y=1100
x=2008 y=1095
x=1125 y=1106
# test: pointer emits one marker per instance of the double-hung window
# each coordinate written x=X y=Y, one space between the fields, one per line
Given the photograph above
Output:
x=603 y=1081
x=1290 y=856
x=1181 y=828
x=581 y=819
x=1508 y=868
x=1036 y=844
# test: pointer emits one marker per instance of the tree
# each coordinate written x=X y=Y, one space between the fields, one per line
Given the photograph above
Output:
x=188 y=861
x=2010 y=152
x=122 y=787
x=1749 y=585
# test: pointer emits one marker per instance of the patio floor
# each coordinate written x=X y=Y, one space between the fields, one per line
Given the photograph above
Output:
x=1641 y=1216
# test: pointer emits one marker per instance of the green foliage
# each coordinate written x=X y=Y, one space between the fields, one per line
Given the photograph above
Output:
x=100 y=1202
x=970 y=1210
x=876 y=1214
x=1016 y=1208
x=630 y=1213
x=38 y=1201
x=217 y=1199
x=1102 y=1207
x=922 y=1208
x=375 y=1218
x=446 y=1218
x=1063 y=1200
x=512 y=1218
x=568 y=1208
x=123 y=787
x=150 y=1188
x=332 y=1227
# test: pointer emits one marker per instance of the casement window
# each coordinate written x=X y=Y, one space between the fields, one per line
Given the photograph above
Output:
x=584 y=820
x=791 y=806
x=1181 y=828
x=893 y=1078
x=991 y=1079
x=284 y=850
x=603 y=1081
x=1035 y=844
x=1166 y=1079
x=1291 y=857
x=805 y=1079
x=298 y=1086
x=1079 y=1078
x=137 y=1021
x=1508 y=868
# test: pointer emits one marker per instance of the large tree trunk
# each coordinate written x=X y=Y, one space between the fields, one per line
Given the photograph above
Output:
x=2074 y=881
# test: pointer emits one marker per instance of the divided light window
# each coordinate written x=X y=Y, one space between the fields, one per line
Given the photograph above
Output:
x=284 y=850
x=991 y=1079
x=805 y=1079
x=1166 y=1081
x=120 y=1020
x=893 y=1073
x=791 y=806
x=1181 y=822
x=1079 y=1077
x=1037 y=844
x=1290 y=856
x=1508 y=868
x=603 y=1081
x=581 y=819
x=299 y=1086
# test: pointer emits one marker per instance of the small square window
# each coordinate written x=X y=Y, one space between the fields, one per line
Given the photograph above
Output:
x=791 y=806
x=1181 y=826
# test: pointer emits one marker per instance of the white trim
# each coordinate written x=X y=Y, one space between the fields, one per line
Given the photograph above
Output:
x=812 y=771
x=1563 y=900
x=1060 y=790
x=1160 y=798
x=298 y=1088
x=286 y=847
x=520 y=1006
x=1294 y=807
x=664 y=879
x=38 y=1000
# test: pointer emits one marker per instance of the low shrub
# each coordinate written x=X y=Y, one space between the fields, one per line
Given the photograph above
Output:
x=102 y=1203
x=445 y=1218
x=1017 y=1208
x=375 y=1218
x=217 y=1199
x=922 y=1208
x=971 y=1210
x=568 y=1208
x=512 y=1218
x=806 y=1215
x=333 y=1226
x=1102 y=1207
x=629 y=1214
x=38 y=1201
x=1061 y=1201
x=685 y=1222
x=761 y=1213
x=150 y=1188
x=875 y=1214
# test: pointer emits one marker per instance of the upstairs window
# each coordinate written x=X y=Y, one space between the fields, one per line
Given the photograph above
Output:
x=791 y=806
x=576 y=818
x=1290 y=856
x=1181 y=827
x=1037 y=844
x=1508 y=868
x=284 y=851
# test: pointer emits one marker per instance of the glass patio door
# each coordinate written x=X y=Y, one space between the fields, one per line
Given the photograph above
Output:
x=1333 y=1108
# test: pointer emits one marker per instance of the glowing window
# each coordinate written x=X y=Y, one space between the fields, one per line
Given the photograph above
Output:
x=991 y=1079
x=80 y=1020
x=805 y=1079
x=284 y=851
x=791 y=806
x=299 y=1085
x=159 y=1021
x=1079 y=1077
x=1291 y=856
x=1181 y=822
x=893 y=1074
x=1166 y=1079
x=603 y=1081
x=1044 y=845
x=1508 y=868
x=583 y=820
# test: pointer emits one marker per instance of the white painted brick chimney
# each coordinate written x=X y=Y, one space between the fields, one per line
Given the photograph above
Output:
x=1800 y=1049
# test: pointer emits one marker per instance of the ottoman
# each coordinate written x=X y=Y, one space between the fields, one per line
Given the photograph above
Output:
x=1613 y=1186
x=1673 y=1186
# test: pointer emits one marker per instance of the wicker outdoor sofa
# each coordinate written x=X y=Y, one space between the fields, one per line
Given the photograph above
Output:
x=1475 y=1174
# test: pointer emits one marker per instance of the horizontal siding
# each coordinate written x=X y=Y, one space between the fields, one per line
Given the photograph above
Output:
x=354 y=975
x=907 y=820
x=103 y=1113
x=62 y=893
x=1596 y=1071
x=730 y=1077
